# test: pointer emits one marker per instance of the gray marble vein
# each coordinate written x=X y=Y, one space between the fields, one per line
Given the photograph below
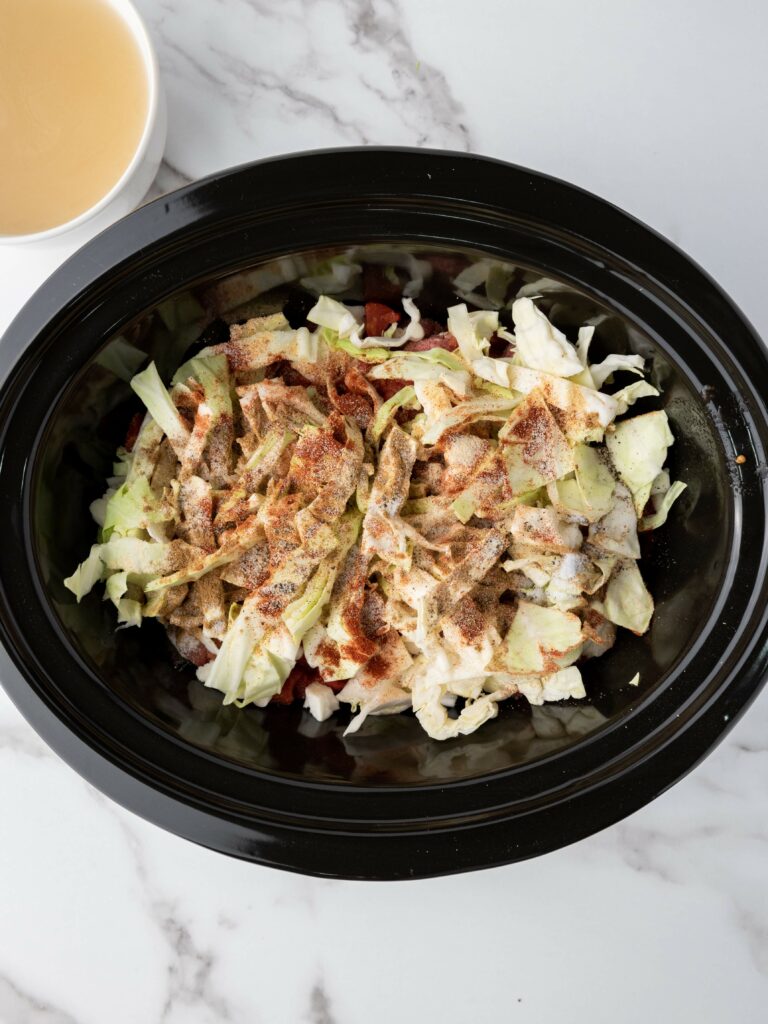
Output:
x=18 y=1006
x=268 y=69
x=429 y=101
x=686 y=855
x=189 y=972
x=294 y=99
x=190 y=987
x=18 y=738
x=320 y=1011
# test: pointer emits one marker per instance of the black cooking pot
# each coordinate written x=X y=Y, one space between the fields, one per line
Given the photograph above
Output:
x=272 y=785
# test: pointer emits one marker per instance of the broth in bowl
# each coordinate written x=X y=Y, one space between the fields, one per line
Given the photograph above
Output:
x=74 y=100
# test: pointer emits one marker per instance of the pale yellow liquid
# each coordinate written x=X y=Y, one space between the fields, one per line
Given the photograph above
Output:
x=73 y=104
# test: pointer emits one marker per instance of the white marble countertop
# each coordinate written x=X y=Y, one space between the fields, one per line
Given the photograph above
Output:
x=659 y=107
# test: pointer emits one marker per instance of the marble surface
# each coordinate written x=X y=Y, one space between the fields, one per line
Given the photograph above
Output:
x=656 y=106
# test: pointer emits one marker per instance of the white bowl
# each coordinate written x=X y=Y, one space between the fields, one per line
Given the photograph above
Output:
x=135 y=181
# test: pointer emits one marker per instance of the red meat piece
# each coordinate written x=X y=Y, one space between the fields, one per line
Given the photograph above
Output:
x=431 y=327
x=133 y=431
x=387 y=388
x=444 y=340
x=378 y=318
x=301 y=676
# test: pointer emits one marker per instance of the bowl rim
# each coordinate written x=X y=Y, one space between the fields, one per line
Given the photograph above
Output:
x=129 y=15
x=397 y=847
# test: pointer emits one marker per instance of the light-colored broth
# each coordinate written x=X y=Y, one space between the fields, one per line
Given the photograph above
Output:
x=73 y=104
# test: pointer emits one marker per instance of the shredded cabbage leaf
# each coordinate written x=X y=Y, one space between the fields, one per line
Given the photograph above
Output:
x=638 y=448
x=627 y=601
x=151 y=390
x=659 y=517
x=539 y=345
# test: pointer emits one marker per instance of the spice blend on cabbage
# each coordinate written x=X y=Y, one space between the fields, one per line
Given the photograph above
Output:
x=388 y=512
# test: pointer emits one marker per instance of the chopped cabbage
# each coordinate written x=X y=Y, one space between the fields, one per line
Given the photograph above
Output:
x=612 y=364
x=638 y=448
x=129 y=612
x=541 y=528
x=402 y=399
x=133 y=506
x=494 y=371
x=271 y=448
x=539 y=345
x=153 y=394
x=585 y=412
x=659 y=517
x=333 y=315
x=377 y=690
x=496 y=409
x=374 y=354
x=472 y=330
x=474 y=553
x=539 y=639
x=541 y=286
x=533 y=446
x=213 y=373
x=583 y=341
x=432 y=714
x=138 y=557
x=227 y=671
x=320 y=701
x=616 y=531
x=627 y=601
x=413 y=328
x=631 y=393
x=434 y=364
x=146 y=451
x=302 y=614
x=594 y=480
x=562 y=685
x=86 y=575
x=116 y=586
x=464 y=507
